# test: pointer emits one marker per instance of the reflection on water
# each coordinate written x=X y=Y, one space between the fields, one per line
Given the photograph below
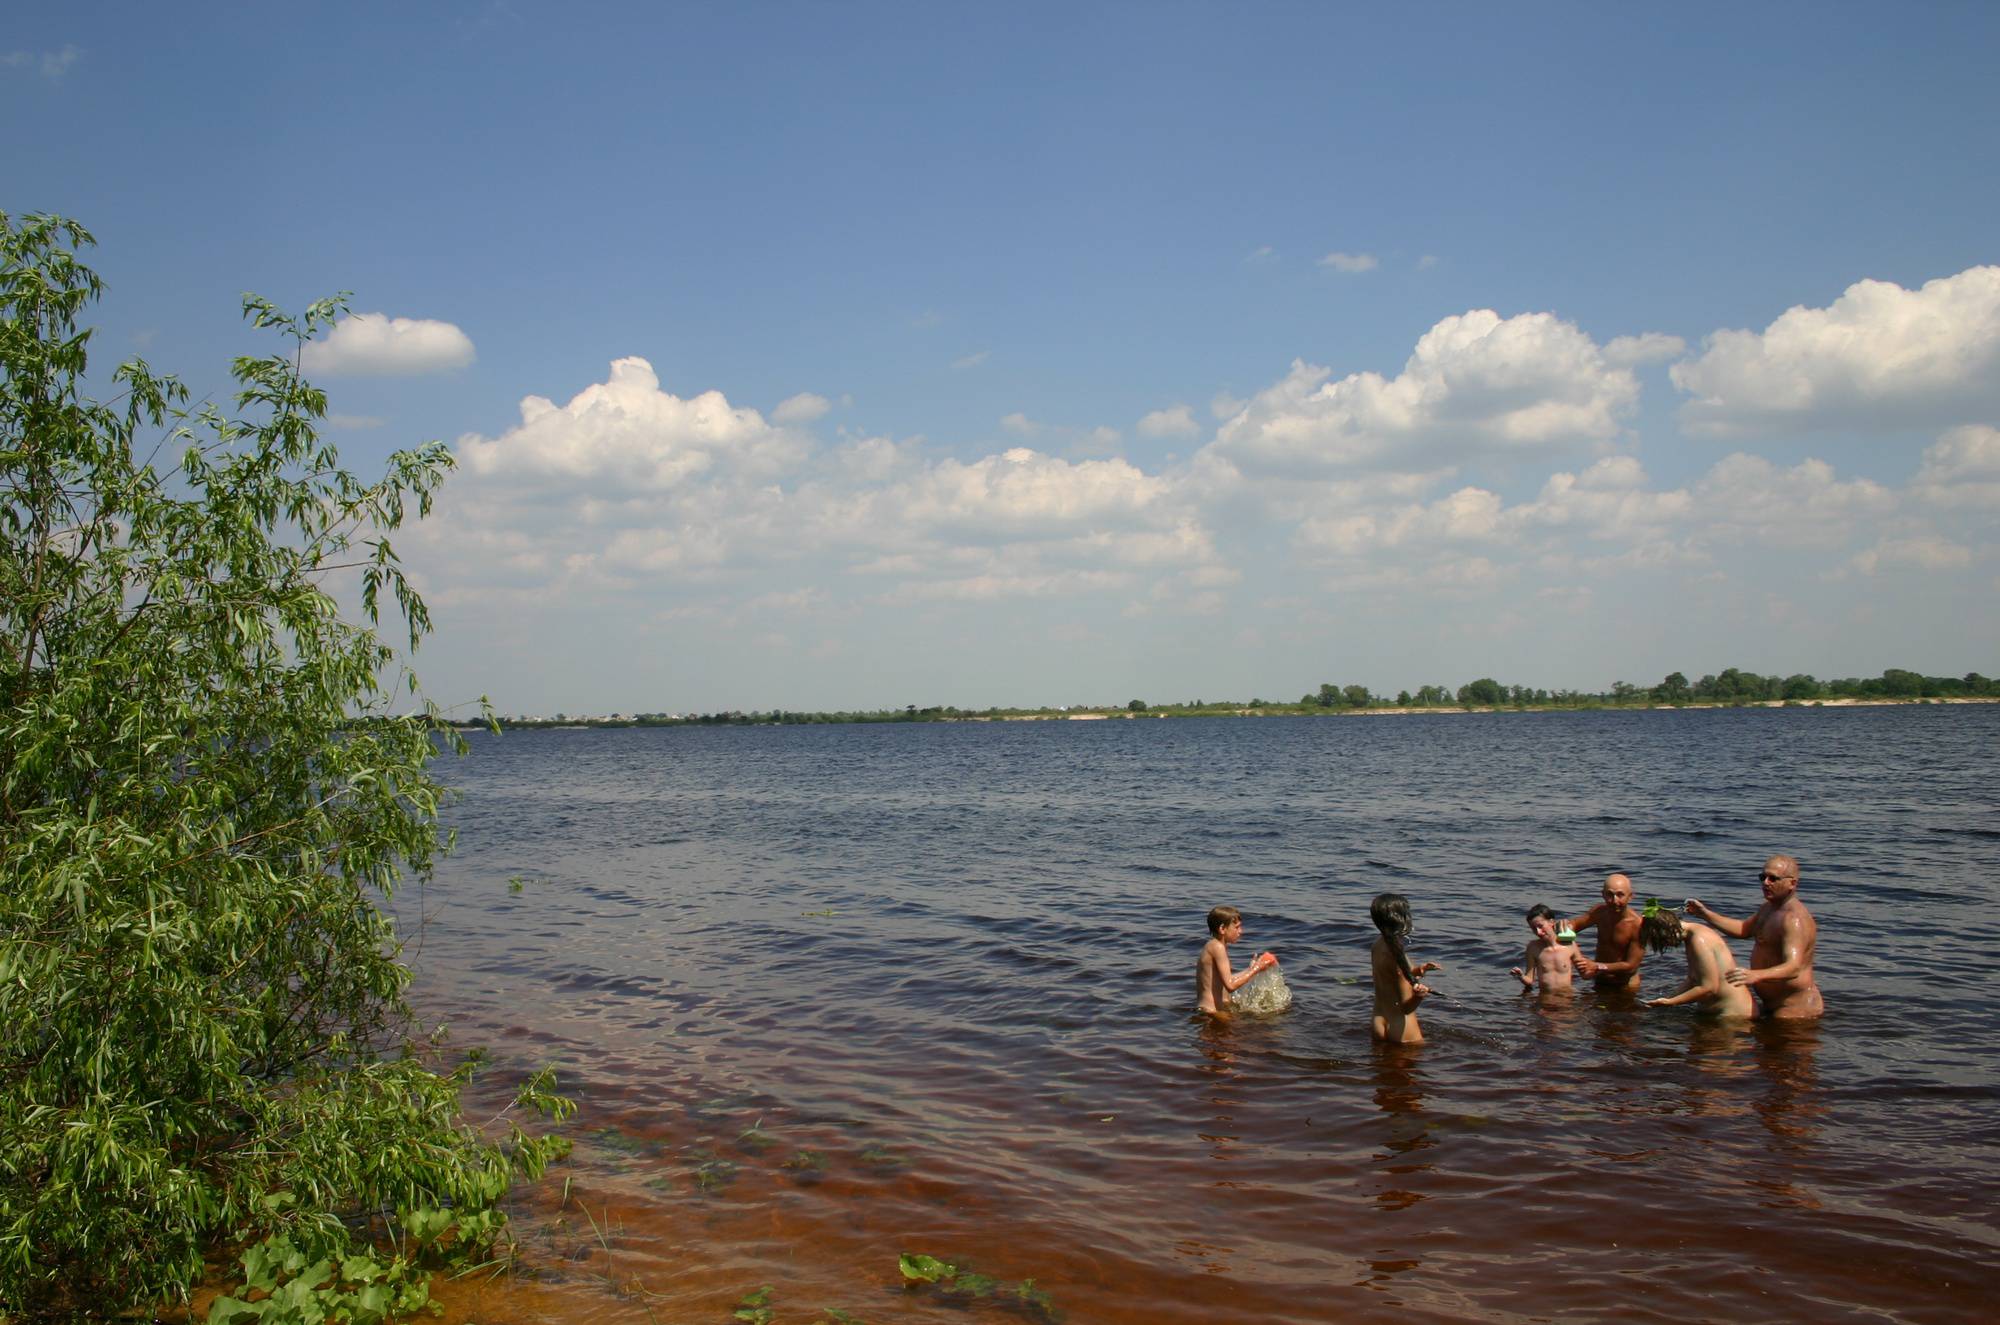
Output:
x=829 y=995
x=1399 y=1094
x=1790 y=1106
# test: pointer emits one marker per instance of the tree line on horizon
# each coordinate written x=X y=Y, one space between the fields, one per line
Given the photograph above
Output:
x=1730 y=686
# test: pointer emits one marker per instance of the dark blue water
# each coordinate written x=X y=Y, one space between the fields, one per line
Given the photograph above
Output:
x=833 y=993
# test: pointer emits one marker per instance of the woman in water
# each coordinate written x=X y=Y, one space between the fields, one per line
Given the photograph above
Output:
x=1709 y=963
x=1397 y=992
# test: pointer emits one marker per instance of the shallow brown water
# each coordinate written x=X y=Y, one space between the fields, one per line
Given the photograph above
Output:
x=831 y=995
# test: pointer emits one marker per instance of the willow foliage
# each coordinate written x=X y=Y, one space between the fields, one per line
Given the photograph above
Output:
x=205 y=798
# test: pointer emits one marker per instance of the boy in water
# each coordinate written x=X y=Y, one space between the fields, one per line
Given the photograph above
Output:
x=1213 y=982
x=1709 y=963
x=1549 y=962
x=1397 y=992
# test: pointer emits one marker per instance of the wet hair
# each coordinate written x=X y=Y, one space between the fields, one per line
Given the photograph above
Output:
x=1220 y=916
x=1661 y=930
x=1537 y=911
x=1391 y=914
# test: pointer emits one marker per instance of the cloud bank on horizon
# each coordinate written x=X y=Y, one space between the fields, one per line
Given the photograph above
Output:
x=667 y=510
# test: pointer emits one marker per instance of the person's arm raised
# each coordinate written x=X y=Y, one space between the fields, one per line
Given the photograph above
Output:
x=1735 y=929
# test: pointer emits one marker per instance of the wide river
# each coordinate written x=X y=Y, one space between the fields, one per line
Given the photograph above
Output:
x=827 y=995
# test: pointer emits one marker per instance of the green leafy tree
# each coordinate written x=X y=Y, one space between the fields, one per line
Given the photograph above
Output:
x=1902 y=684
x=205 y=798
x=1483 y=691
x=1673 y=690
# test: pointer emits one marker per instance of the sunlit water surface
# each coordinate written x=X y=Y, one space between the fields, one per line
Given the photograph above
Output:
x=830 y=994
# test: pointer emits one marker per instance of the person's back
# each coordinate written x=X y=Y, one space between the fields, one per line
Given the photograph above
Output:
x=1709 y=963
x=1396 y=999
x=1397 y=992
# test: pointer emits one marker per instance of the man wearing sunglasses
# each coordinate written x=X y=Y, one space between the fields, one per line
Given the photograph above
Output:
x=1784 y=932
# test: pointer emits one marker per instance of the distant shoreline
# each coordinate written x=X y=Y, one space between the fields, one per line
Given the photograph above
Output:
x=802 y=719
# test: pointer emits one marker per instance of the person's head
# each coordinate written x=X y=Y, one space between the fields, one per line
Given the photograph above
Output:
x=1660 y=927
x=1543 y=921
x=1780 y=877
x=1617 y=892
x=1226 y=917
x=1391 y=914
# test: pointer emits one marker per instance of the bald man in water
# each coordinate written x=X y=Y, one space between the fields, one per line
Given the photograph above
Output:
x=1619 y=950
x=1784 y=935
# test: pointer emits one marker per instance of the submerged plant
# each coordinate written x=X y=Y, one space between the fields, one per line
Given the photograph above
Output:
x=954 y=1281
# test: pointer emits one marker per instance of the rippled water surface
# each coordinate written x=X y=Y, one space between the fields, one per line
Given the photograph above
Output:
x=830 y=994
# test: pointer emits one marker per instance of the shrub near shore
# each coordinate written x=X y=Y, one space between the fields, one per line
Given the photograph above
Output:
x=203 y=1040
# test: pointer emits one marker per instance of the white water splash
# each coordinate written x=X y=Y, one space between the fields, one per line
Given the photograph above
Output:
x=1266 y=992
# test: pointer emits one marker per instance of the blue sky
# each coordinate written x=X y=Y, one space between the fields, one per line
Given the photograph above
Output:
x=1045 y=354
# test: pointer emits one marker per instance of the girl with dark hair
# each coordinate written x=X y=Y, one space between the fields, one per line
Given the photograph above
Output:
x=1397 y=992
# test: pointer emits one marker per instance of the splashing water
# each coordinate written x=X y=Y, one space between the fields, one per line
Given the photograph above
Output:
x=1267 y=992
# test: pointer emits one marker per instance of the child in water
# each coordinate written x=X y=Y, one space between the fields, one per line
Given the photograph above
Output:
x=1709 y=963
x=1549 y=962
x=1397 y=992
x=1213 y=982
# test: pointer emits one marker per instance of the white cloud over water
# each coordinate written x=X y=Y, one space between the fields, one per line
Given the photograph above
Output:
x=1879 y=354
x=1495 y=479
x=1475 y=383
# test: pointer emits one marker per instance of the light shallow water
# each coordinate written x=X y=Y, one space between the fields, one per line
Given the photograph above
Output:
x=828 y=994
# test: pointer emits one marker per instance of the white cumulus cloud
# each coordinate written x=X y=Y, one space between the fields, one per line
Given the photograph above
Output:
x=1651 y=347
x=1176 y=421
x=627 y=433
x=1476 y=382
x=377 y=345
x=1350 y=263
x=1924 y=552
x=802 y=408
x=1022 y=492
x=1748 y=498
x=1962 y=468
x=1878 y=354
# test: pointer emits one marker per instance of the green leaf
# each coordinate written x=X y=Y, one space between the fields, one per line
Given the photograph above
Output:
x=229 y=1310
x=919 y=1268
